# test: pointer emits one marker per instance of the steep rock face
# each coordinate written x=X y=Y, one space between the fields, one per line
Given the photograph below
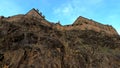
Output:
x=35 y=13
x=89 y=24
x=33 y=42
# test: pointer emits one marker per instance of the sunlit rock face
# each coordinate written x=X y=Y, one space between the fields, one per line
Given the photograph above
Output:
x=30 y=41
x=89 y=24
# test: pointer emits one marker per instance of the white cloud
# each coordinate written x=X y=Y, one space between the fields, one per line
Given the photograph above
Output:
x=95 y=9
x=64 y=10
x=78 y=5
x=74 y=8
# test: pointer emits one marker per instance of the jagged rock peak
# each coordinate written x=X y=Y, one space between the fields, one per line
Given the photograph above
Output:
x=90 y=24
x=82 y=19
x=35 y=13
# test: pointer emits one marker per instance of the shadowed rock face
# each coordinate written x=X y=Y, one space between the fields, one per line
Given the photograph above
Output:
x=28 y=41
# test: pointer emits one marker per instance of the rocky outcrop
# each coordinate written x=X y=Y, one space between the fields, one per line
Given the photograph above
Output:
x=89 y=24
x=35 y=14
x=31 y=42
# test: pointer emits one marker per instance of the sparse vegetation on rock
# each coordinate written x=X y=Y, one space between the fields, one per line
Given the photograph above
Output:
x=33 y=42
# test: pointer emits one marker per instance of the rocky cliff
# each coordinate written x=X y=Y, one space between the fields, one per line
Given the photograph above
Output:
x=30 y=41
x=89 y=24
x=82 y=23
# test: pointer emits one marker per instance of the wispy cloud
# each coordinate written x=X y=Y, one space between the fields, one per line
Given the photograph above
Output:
x=74 y=8
x=64 y=10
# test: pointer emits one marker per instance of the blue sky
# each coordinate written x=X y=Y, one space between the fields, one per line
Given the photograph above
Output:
x=66 y=11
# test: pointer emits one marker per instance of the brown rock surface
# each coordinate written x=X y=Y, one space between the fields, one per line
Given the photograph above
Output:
x=33 y=42
x=89 y=24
